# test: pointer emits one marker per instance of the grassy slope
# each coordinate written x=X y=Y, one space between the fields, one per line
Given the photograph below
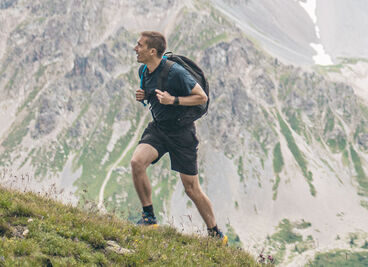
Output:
x=35 y=231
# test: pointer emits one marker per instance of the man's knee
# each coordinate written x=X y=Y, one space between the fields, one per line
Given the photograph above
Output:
x=191 y=189
x=137 y=165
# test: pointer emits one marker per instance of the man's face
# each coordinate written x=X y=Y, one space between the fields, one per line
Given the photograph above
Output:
x=144 y=54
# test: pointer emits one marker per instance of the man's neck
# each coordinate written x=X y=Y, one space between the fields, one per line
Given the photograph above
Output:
x=152 y=65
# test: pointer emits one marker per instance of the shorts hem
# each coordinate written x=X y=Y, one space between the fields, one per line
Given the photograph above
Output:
x=185 y=171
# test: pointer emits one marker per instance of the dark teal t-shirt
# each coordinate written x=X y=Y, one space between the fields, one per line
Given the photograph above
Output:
x=179 y=83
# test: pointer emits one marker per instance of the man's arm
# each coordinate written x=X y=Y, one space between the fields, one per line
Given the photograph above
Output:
x=197 y=97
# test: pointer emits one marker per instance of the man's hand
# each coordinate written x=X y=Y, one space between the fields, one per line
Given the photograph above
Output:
x=164 y=97
x=139 y=95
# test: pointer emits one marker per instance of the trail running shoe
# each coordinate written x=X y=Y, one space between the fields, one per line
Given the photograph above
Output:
x=220 y=236
x=148 y=220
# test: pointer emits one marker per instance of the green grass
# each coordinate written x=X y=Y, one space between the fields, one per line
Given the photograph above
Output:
x=297 y=154
x=364 y=204
x=340 y=258
x=338 y=144
x=30 y=97
x=216 y=39
x=95 y=149
x=36 y=231
x=10 y=83
x=40 y=72
x=18 y=133
x=345 y=158
x=295 y=120
x=234 y=239
x=330 y=122
x=361 y=176
x=278 y=161
x=257 y=136
x=285 y=234
x=275 y=187
x=241 y=169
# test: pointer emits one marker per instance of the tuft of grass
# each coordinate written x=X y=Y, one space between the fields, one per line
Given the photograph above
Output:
x=36 y=231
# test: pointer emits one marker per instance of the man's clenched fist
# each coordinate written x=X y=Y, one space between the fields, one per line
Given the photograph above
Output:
x=164 y=97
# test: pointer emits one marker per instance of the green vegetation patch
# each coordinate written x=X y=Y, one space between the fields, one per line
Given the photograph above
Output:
x=278 y=161
x=295 y=120
x=18 y=133
x=52 y=234
x=286 y=234
x=338 y=144
x=30 y=97
x=330 y=121
x=241 y=169
x=361 y=176
x=297 y=154
x=234 y=239
x=340 y=258
x=364 y=204
x=10 y=83
x=275 y=187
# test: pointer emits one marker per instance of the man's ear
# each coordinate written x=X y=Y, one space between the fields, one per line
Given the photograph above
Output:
x=153 y=51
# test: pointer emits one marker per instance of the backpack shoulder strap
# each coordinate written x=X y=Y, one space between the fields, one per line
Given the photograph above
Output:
x=142 y=75
x=161 y=82
x=142 y=83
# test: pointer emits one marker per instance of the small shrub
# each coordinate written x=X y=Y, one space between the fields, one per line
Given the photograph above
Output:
x=56 y=246
x=94 y=238
x=24 y=247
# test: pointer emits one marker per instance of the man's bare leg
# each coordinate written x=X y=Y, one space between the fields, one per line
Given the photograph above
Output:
x=143 y=155
x=194 y=191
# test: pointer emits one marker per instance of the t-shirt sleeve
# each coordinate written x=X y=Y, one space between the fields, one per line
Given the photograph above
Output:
x=181 y=80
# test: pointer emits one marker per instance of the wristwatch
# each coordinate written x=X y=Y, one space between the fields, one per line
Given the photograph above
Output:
x=176 y=101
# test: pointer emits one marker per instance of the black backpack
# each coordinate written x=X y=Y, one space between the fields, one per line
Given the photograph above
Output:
x=191 y=113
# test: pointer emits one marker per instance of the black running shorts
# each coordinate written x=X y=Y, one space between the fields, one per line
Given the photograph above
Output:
x=182 y=145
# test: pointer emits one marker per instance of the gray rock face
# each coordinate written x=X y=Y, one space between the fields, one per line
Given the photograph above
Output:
x=7 y=4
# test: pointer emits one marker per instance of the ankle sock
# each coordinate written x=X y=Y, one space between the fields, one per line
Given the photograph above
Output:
x=213 y=231
x=149 y=209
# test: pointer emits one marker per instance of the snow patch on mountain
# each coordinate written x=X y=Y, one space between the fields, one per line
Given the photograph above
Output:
x=322 y=58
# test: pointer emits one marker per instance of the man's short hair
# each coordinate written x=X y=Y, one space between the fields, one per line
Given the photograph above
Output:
x=155 y=40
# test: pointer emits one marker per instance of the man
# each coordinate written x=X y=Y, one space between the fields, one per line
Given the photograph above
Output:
x=163 y=135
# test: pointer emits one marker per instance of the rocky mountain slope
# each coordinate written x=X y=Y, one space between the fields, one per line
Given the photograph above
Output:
x=296 y=31
x=283 y=153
